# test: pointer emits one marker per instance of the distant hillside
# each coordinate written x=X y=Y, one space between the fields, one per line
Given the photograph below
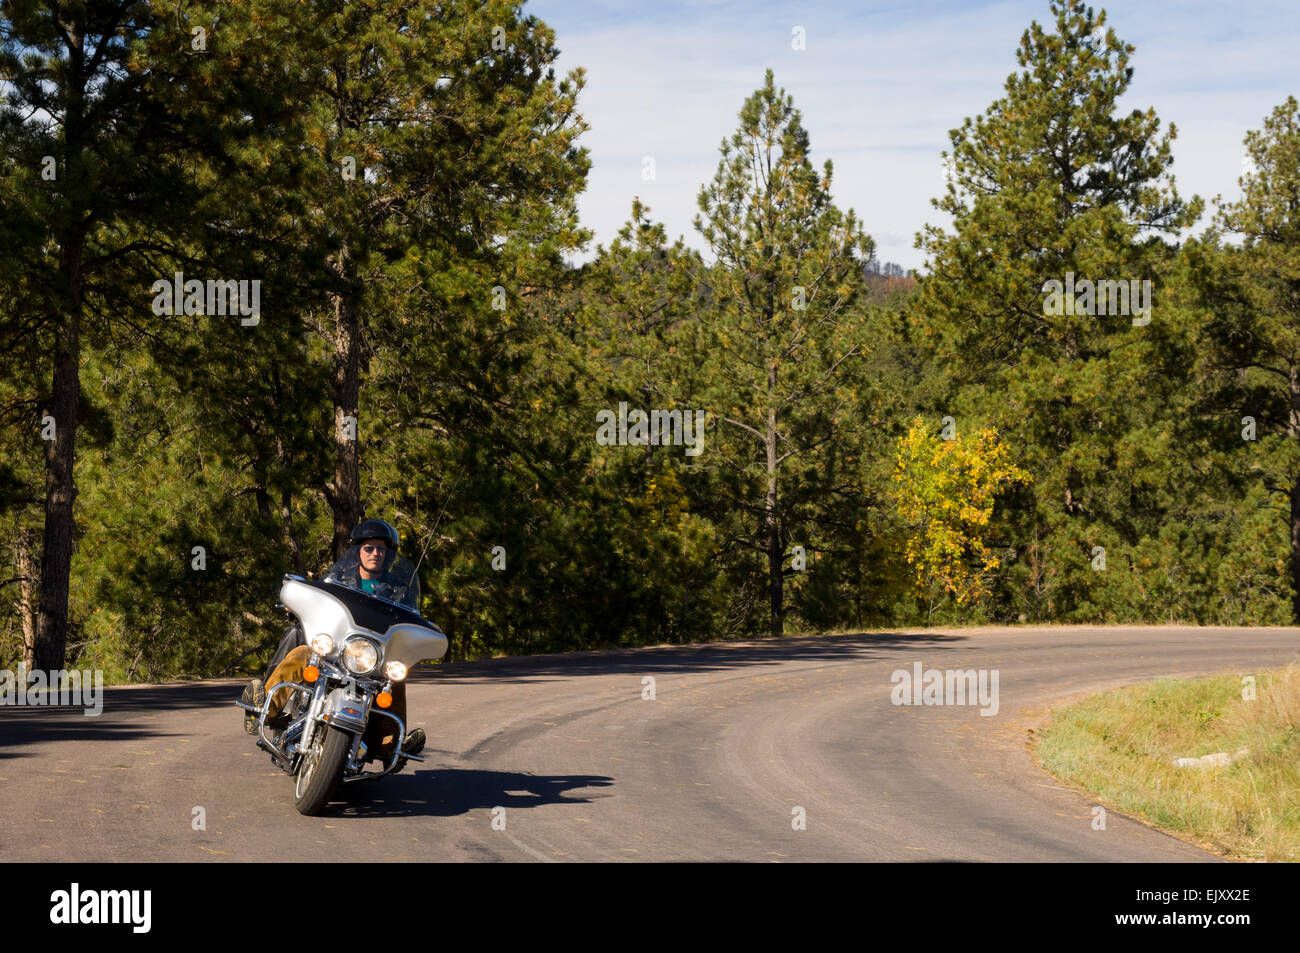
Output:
x=888 y=283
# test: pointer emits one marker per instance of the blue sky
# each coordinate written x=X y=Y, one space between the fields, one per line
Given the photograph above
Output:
x=879 y=86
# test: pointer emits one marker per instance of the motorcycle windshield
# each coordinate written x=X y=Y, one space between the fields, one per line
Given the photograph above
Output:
x=383 y=574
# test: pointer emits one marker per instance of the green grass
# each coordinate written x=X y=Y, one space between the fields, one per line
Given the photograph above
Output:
x=1119 y=747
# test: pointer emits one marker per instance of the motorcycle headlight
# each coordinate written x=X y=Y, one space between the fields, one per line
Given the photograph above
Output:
x=395 y=671
x=360 y=656
x=322 y=644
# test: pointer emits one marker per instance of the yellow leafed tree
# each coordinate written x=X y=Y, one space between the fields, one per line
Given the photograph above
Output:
x=944 y=490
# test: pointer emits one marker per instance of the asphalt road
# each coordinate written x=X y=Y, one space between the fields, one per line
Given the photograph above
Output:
x=561 y=758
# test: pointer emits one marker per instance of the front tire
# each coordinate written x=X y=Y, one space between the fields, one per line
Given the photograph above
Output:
x=321 y=769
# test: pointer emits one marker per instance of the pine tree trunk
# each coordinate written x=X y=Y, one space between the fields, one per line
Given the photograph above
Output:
x=27 y=584
x=776 y=586
x=346 y=496
x=1293 y=429
x=56 y=557
x=295 y=544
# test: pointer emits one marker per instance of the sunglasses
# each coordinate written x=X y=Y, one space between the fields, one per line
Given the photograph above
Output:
x=373 y=549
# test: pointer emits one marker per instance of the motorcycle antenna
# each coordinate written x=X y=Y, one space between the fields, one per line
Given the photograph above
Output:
x=436 y=521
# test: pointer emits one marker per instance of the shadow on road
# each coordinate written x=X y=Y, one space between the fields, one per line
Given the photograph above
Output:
x=119 y=720
x=707 y=657
x=26 y=729
x=173 y=696
x=446 y=792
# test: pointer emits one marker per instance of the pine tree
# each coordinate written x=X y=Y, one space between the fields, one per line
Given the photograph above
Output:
x=1250 y=327
x=1053 y=184
x=645 y=306
x=438 y=150
x=782 y=330
x=94 y=180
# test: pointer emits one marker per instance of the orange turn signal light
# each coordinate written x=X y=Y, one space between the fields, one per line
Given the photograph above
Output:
x=310 y=673
x=383 y=699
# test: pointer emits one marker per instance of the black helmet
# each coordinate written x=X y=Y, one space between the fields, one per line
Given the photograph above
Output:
x=375 y=529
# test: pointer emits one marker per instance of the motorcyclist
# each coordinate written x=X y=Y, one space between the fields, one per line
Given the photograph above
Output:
x=377 y=544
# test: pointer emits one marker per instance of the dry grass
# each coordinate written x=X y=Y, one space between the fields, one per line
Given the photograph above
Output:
x=1120 y=747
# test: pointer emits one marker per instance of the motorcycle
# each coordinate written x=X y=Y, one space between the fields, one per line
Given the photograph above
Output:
x=365 y=633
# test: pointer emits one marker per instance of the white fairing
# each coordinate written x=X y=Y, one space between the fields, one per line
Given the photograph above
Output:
x=409 y=644
x=318 y=611
x=321 y=612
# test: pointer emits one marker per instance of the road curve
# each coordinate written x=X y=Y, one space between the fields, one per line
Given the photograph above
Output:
x=562 y=758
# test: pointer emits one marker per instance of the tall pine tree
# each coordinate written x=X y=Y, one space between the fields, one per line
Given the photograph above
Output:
x=1054 y=184
x=782 y=333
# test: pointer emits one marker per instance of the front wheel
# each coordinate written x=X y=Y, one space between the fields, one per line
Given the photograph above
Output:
x=321 y=769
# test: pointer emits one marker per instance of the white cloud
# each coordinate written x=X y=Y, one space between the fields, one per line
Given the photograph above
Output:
x=879 y=88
